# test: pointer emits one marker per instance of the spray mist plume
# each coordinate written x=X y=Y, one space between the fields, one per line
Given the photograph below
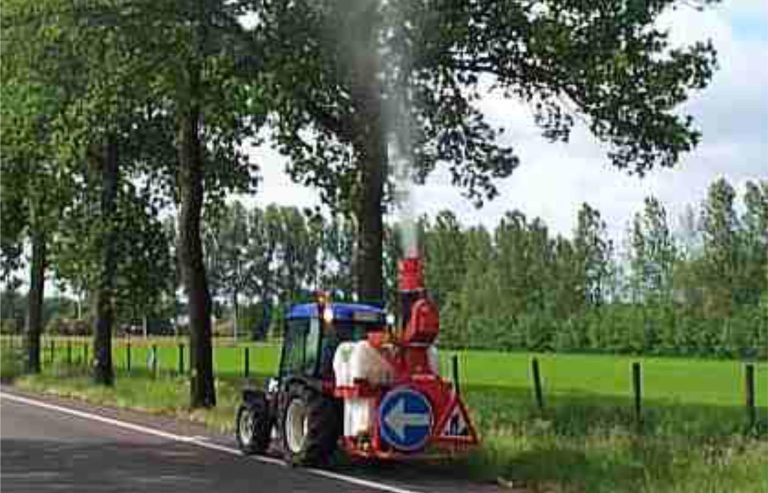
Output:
x=400 y=153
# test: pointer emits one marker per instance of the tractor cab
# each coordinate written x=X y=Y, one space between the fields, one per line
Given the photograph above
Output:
x=313 y=332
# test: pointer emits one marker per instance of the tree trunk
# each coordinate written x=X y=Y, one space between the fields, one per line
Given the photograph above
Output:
x=35 y=301
x=190 y=181
x=107 y=164
x=370 y=230
x=372 y=152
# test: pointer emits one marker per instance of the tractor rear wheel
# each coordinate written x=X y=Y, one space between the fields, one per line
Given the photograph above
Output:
x=253 y=425
x=311 y=426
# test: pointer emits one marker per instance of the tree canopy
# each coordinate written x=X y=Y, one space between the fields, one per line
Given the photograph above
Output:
x=340 y=70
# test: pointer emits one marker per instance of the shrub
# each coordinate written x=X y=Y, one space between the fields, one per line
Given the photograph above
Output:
x=68 y=327
x=9 y=326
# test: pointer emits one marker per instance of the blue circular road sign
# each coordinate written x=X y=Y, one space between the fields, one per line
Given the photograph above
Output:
x=405 y=419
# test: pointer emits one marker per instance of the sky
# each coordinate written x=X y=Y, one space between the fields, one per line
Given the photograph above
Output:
x=554 y=179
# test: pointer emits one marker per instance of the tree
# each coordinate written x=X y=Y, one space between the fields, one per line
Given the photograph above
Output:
x=79 y=50
x=593 y=253
x=200 y=75
x=33 y=188
x=231 y=266
x=567 y=297
x=754 y=243
x=444 y=256
x=340 y=70
x=172 y=65
x=478 y=296
x=719 y=225
x=144 y=263
x=653 y=254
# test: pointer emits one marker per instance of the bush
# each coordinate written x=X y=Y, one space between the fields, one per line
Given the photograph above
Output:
x=68 y=327
x=222 y=328
x=10 y=326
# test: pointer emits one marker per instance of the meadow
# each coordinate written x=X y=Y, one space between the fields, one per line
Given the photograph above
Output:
x=669 y=380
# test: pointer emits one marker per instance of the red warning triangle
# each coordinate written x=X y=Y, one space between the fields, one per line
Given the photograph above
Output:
x=457 y=423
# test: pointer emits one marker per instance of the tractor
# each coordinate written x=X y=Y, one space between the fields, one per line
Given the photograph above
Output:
x=346 y=377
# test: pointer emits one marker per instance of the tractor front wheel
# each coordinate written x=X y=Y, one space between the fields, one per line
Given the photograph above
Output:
x=310 y=426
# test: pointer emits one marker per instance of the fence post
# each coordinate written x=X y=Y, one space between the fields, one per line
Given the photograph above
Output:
x=128 y=356
x=69 y=352
x=537 y=384
x=154 y=360
x=181 y=359
x=637 y=389
x=53 y=351
x=749 y=381
x=85 y=354
x=455 y=374
x=246 y=361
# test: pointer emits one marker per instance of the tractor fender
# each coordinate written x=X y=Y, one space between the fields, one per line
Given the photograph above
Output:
x=251 y=396
x=312 y=383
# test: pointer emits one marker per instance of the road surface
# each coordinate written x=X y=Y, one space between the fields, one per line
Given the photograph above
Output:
x=59 y=445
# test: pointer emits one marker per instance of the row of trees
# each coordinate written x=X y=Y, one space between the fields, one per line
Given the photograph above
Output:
x=702 y=288
x=114 y=110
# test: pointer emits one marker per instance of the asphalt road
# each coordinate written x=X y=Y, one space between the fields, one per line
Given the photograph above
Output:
x=49 y=445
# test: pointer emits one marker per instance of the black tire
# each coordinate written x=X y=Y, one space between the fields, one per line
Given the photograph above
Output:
x=323 y=427
x=253 y=425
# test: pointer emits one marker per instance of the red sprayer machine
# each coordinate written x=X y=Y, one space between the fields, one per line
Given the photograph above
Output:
x=347 y=378
x=410 y=407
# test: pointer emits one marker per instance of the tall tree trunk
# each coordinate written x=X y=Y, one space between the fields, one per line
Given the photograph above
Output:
x=190 y=181
x=370 y=145
x=107 y=163
x=370 y=229
x=35 y=301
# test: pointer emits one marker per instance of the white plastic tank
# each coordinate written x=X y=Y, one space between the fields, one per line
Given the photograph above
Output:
x=360 y=361
x=357 y=416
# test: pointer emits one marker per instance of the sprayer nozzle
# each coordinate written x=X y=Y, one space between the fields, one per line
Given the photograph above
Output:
x=410 y=275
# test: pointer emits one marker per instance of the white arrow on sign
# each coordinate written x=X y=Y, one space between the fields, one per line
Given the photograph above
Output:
x=397 y=419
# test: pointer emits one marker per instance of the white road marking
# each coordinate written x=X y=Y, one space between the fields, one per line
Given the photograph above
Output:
x=200 y=442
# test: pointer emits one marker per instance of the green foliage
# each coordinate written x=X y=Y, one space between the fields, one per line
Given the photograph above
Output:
x=652 y=255
x=522 y=289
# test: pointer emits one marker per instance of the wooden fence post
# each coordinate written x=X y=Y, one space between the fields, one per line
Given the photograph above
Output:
x=749 y=382
x=455 y=374
x=154 y=360
x=53 y=351
x=246 y=361
x=537 y=384
x=85 y=355
x=637 y=389
x=128 y=357
x=181 y=359
x=69 y=352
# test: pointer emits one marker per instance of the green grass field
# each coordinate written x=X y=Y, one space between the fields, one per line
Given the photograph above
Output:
x=687 y=381
x=693 y=436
